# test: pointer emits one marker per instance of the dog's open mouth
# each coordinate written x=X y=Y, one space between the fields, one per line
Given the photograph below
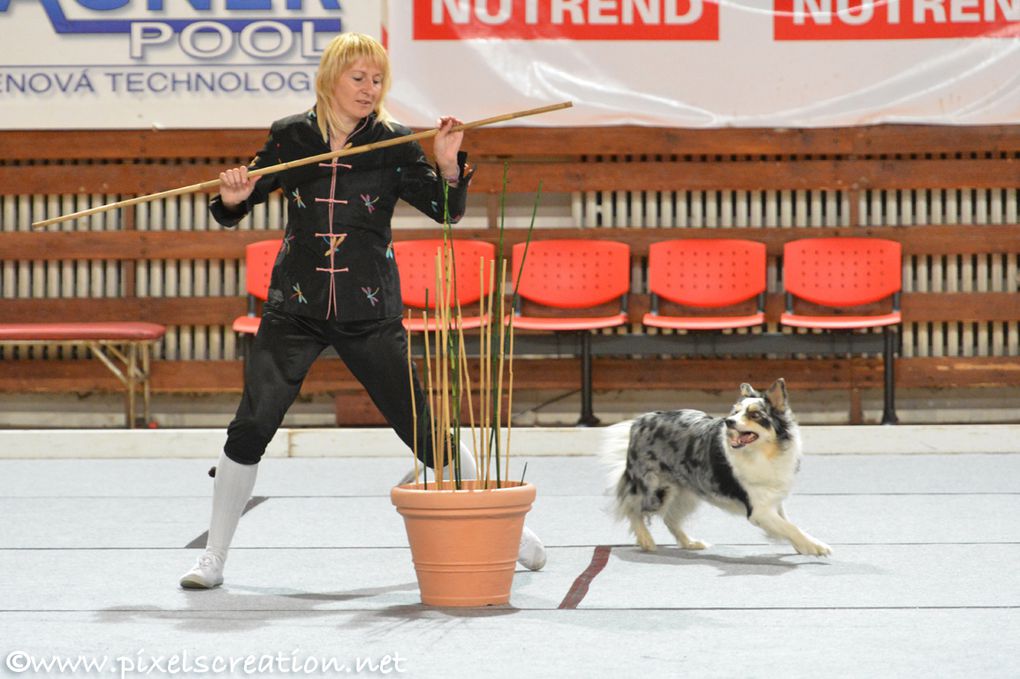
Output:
x=739 y=439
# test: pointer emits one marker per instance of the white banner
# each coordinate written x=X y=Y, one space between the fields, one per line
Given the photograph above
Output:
x=677 y=63
x=165 y=63
x=709 y=63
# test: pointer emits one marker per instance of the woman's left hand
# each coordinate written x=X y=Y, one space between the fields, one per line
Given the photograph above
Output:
x=446 y=146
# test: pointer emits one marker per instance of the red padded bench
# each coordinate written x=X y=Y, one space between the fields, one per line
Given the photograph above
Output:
x=130 y=344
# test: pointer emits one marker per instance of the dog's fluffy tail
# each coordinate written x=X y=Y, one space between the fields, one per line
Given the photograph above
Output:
x=613 y=453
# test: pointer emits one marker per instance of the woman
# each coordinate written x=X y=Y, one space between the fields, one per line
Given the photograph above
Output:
x=335 y=280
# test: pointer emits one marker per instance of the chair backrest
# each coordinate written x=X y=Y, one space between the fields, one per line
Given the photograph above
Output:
x=712 y=272
x=572 y=274
x=416 y=261
x=842 y=272
x=259 y=258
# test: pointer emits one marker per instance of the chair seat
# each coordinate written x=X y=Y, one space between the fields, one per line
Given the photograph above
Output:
x=840 y=322
x=81 y=331
x=703 y=322
x=569 y=323
x=248 y=325
x=467 y=323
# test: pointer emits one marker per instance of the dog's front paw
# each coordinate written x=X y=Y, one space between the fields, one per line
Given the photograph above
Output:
x=647 y=543
x=813 y=548
x=696 y=545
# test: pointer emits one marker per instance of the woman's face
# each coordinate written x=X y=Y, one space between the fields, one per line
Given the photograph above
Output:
x=357 y=91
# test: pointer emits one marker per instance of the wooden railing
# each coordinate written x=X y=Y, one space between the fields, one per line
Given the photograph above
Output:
x=856 y=162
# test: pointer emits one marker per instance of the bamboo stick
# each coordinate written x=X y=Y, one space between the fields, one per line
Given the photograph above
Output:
x=437 y=337
x=489 y=447
x=481 y=369
x=447 y=378
x=453 y=361
x=444 y=361
x=499 y=379
x=488 y=390
x=414 y=407
x=451 y=373
x=454 y=332
x=466 y=376
x=470 y=392
x=483 y=388
x=213 y=183
x=510 y=398
x=430 y=394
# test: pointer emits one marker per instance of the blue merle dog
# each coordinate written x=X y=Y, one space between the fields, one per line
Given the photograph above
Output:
x=666 y=462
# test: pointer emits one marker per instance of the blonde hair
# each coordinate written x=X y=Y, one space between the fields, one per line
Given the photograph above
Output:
x=339 y=55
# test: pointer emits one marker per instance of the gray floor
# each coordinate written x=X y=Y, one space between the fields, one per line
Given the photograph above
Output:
x=923 y=579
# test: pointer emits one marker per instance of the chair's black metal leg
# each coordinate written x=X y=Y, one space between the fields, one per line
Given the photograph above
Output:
x=588 y=418
x=889 y=373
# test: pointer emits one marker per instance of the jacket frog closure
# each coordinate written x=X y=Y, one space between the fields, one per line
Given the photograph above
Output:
x=336 y=261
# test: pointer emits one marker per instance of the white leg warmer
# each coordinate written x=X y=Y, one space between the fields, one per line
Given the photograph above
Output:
x=468 y=469
x=231 y=492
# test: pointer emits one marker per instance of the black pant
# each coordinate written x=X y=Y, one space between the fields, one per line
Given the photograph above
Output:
x=284 y=349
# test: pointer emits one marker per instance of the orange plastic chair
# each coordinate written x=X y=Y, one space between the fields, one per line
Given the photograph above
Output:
x=259 y=258
x=572 y=275
x=416 y=261
x=841 y=275
x=706 y=273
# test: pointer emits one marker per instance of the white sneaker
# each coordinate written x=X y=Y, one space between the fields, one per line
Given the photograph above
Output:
x=531 y=553
x=206 y=574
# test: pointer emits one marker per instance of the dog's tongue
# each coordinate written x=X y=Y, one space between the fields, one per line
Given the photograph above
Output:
x=747 y=437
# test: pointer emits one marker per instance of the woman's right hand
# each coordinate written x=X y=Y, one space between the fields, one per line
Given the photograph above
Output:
x=235 y=187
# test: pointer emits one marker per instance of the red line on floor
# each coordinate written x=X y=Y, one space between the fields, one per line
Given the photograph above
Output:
x=579 y=589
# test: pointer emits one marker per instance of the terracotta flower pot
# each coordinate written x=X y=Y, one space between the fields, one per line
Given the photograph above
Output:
x=464 y=542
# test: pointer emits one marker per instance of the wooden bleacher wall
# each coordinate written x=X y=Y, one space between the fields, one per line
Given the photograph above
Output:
x=950 y=194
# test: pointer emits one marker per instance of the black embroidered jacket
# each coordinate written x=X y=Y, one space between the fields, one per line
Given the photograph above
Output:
x=336 y=261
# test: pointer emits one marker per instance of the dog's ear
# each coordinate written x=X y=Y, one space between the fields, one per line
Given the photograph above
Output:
x=776 y=394
x=747 y=391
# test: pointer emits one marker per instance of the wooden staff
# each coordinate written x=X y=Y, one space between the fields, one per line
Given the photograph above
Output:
x=213 y=183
